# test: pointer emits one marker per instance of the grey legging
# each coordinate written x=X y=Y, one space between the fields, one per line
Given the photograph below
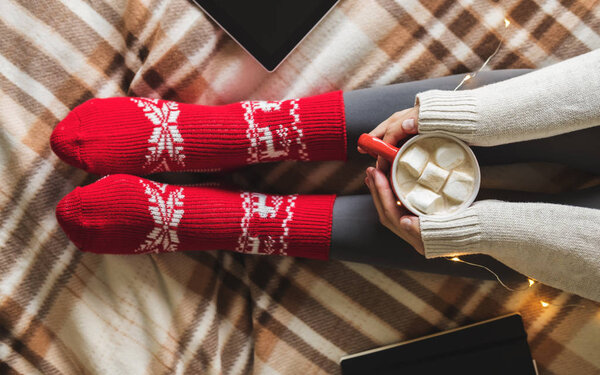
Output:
x=357 y=234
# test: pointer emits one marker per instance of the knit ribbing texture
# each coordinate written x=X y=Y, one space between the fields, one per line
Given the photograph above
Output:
x=124 y=214
x=143 y=136
x=557 y=99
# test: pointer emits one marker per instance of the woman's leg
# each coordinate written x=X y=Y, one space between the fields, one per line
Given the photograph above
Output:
x=577 y=149
x=124 y=214
x=589 y=198
x=143 y=136
x=368 y=107
x=358 y=236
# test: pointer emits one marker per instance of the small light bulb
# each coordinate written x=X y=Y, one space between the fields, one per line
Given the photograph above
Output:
x=455 y=259
x=399 y=203
x=531 y=282
x=506 y=23
x=544 y=304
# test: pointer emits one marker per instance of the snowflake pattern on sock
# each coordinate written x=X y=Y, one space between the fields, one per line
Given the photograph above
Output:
x=126 y=214
x=166 y=211
x=165 y=135
x=142 y=136
x=272 y=210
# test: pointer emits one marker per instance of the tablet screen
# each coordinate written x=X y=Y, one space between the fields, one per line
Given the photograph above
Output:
x=268 y=29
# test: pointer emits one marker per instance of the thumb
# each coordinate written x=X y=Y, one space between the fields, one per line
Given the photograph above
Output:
x=409 y=126
x=410 y=224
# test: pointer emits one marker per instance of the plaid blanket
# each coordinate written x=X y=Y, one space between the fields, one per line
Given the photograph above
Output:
x=64 y=312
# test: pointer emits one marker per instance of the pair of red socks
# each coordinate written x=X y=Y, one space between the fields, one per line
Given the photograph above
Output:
x=126 y=214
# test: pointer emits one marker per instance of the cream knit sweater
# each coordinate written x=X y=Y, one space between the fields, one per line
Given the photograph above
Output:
x=555 y=244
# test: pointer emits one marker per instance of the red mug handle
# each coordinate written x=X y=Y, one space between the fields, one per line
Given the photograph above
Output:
x=375 y=146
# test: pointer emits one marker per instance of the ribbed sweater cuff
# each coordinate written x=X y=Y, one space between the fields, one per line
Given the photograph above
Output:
x=451 y=112
x=457 y=235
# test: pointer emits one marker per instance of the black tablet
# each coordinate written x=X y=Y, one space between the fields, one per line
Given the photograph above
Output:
x=493 y=347
x=268 y=29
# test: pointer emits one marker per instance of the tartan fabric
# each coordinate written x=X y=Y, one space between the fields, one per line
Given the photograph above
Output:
x=63 y=311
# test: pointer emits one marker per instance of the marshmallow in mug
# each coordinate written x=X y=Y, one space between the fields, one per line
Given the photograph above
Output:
x=435 y=175
x=414 y=160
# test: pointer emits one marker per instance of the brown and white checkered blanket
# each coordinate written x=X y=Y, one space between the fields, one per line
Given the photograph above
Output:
x=65 y=312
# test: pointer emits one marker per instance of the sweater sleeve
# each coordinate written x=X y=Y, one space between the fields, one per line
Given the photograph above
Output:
x=555 y=244
x=557 y=99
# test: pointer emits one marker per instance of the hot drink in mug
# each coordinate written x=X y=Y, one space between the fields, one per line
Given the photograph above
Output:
x=432 y=174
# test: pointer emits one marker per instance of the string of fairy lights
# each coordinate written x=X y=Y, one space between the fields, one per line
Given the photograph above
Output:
x=487 y=61
x=530 y=282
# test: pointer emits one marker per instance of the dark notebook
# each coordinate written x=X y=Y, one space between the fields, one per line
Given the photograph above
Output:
x=268 y=29
x=496 y=346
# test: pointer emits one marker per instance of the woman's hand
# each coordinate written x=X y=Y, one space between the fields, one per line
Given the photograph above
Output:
x=394 y=129
x=396 y=218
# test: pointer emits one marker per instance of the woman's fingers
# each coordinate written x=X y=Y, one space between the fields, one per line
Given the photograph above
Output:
x=410 y=121
x=410 y=224
x=397 y=127
x=409 y=125
x=386 y=197
x=380 y=129
x=378 y=132
x=393 y=135
x=395 y=218
x=402 y=124
x=375 y=195
x=394 y=129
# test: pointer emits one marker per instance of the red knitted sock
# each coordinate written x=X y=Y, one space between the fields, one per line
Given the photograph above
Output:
x=127 y=215
x=143 y=136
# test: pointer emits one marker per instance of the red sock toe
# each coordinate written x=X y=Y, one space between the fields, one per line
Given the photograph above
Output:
x=123 y=214
x=65 y=140
x=68 y=214
x=143 y=136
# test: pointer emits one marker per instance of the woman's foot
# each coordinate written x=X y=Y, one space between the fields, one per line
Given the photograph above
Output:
x=123 y=214
x=143 y=136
